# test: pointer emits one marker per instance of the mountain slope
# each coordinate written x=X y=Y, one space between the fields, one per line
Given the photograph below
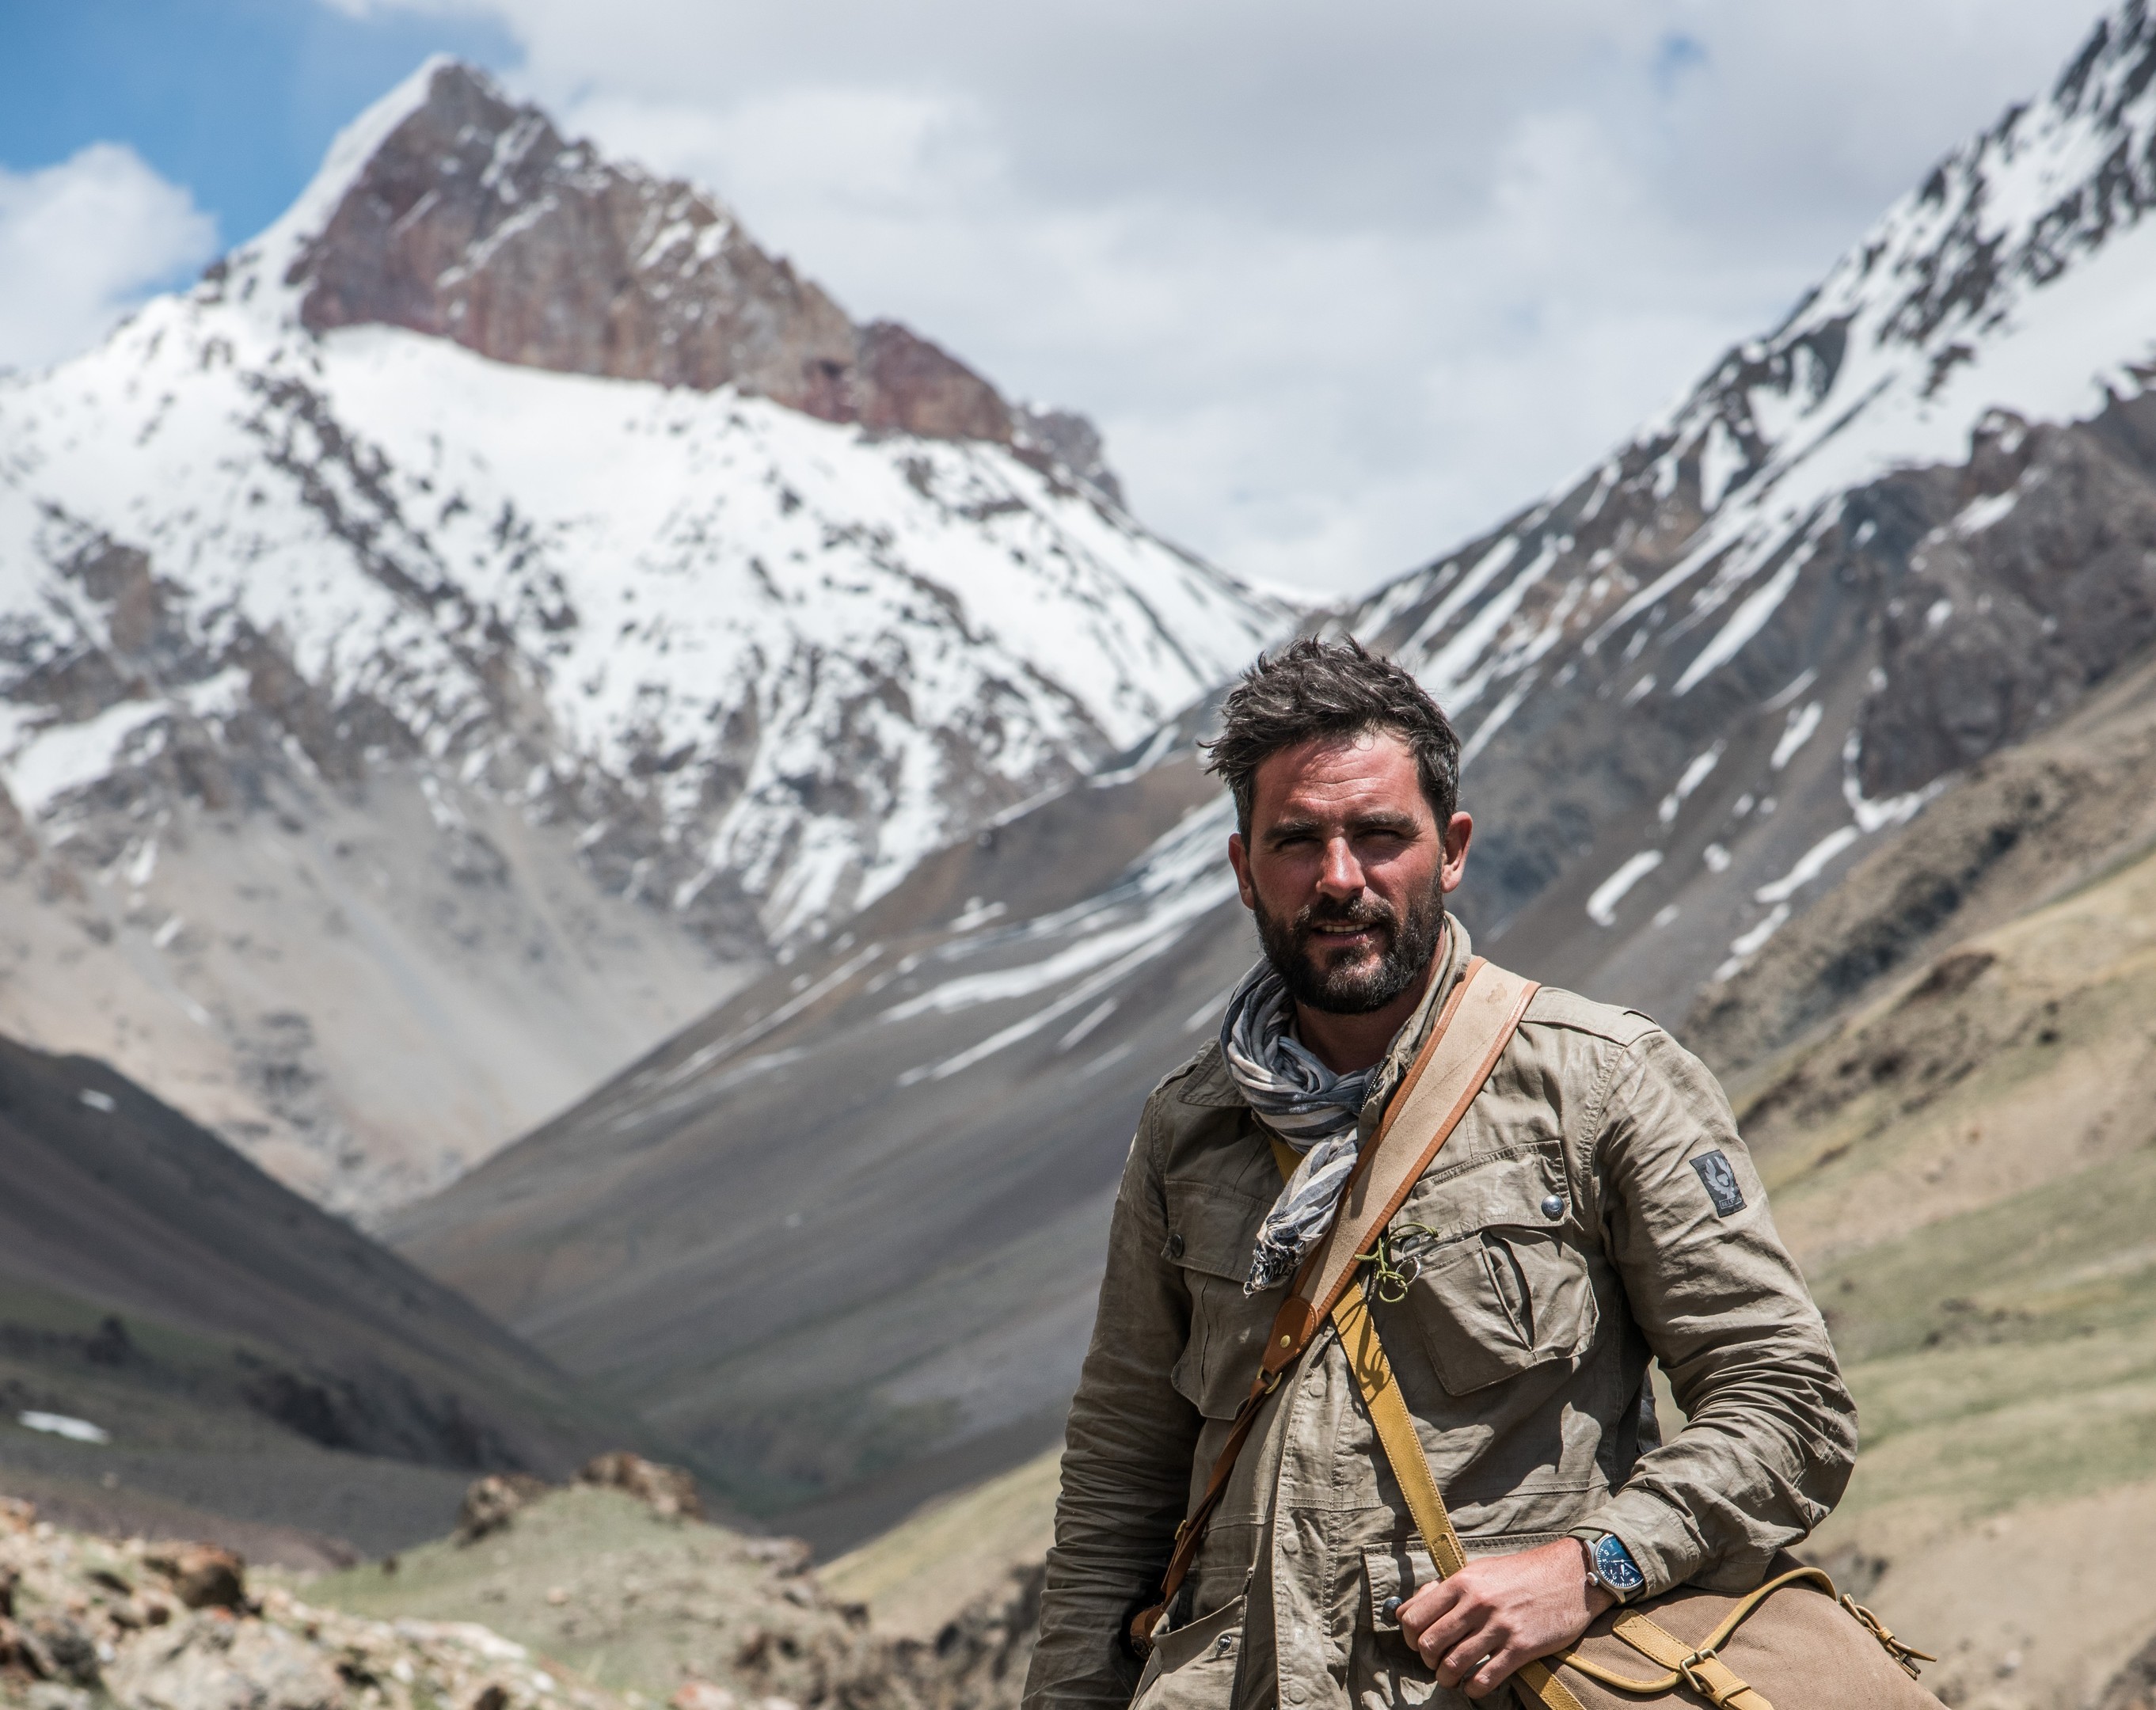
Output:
x=511 y=502
x=918 y=1125
x=245 y=1352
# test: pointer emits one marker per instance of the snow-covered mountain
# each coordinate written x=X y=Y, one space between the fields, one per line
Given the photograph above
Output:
x=1863 y=550
x=592 y=600
x=1913 y=525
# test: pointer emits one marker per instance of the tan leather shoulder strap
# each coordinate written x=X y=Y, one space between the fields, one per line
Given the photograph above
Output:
x=1486 y=1008
x=1471 y=1033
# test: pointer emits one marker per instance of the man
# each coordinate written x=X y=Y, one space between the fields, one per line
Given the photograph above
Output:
x=1594 y=1209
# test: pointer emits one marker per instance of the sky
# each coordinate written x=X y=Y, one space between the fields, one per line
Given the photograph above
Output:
x=1343 y=284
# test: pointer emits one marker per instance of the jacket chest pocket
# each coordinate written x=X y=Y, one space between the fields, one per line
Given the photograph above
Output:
x=1212 y=1231
x=1496 y=1285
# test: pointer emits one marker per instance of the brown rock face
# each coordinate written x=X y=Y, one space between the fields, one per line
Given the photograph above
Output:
x=492 y=1502
x=903 y=382
x=669 y=1492
x=203 y=1576
x=476 y=221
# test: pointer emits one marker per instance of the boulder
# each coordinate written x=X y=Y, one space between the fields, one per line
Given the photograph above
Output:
x=491 y=1503
x=203 y=1576
x=669 y=1492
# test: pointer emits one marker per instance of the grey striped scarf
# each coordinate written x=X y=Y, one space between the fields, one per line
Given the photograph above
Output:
x=1304 y=1102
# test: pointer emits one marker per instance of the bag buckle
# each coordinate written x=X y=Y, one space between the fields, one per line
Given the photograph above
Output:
x=1691 y=1668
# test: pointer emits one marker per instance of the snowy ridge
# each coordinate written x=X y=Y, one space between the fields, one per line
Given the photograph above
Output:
x=803 y=655
x=2009 y=287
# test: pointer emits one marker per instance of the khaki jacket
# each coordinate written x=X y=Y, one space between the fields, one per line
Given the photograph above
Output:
x=1566 y=1239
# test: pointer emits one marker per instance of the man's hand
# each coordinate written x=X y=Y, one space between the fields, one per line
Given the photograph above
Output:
x=1495 y=1614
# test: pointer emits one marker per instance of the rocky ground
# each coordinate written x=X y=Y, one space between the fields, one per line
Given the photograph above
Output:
x=91 y=1621
x=610 y=1594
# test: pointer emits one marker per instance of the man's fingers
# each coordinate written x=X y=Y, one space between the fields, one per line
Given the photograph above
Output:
x=1493 y=1673
x=1465 y=1661
x=1426 y=1605
x=1450 y=1634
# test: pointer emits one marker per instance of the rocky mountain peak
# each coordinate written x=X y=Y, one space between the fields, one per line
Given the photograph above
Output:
x=475 y=219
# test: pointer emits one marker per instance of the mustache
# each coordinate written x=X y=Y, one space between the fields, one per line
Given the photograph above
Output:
x=1363 y=911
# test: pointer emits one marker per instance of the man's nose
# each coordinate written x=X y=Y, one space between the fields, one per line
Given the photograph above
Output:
x=1342 y=875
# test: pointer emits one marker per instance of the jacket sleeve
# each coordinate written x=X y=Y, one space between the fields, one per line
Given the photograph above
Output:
x=1127 y=1459
x=1770 y=1431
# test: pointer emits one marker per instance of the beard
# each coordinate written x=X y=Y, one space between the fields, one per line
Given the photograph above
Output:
x=1343 y=981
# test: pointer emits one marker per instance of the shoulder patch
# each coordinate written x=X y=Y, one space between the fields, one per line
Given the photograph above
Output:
x=1720 y=1181
x=1553 y=1006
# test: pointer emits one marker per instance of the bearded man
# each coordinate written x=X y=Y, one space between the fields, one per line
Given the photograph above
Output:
x=1594 y=1210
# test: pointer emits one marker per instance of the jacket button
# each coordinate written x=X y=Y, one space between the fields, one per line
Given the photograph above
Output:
x=1175 y=1245
x=1390 y=1608
x=1554 y=1206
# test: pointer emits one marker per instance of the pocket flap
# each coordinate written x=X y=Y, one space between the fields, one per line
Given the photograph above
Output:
x=1391 y=1574
x=1211 y=1228
x=1209 y=1638
x=1495 y=1304
x=1483 y=1194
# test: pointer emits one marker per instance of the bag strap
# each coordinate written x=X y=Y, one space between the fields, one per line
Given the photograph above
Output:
x=1477 y=1021
x=1396 y=1430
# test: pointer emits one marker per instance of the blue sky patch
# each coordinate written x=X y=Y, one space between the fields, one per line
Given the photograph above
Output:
x=235 y=99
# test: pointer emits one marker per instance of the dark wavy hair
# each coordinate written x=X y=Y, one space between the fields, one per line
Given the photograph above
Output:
x=1313 y=688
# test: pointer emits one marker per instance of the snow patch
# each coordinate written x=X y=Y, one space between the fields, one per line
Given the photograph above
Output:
x=1809 y=866
x=1602 y=905
x=1802 y=722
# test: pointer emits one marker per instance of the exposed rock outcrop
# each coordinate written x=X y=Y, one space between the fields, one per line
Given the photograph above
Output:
x=170 y=1627
x=669 y=1492
x=476 y=220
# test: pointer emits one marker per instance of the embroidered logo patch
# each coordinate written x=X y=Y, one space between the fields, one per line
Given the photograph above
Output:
x=1720 y=1181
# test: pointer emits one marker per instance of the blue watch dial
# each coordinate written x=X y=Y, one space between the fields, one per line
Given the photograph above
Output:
x=1614 y=1566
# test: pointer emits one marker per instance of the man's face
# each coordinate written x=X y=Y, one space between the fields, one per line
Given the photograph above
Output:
x=1346 y=870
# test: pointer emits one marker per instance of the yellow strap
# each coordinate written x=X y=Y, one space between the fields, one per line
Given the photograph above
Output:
x=1396 y=1431
x=1698 y=1666
x=1396 y=1428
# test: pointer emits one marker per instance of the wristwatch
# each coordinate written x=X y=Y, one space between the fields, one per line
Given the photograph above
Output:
x=1610 y=1566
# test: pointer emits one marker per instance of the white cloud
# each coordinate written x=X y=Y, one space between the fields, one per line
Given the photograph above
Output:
x=1343 y=283
x=81 y=242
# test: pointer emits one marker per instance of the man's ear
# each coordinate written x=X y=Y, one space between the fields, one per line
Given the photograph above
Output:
x=1239 y=858
x=1457 y=832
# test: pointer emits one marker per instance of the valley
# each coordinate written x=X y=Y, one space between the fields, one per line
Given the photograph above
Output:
x=591 y=872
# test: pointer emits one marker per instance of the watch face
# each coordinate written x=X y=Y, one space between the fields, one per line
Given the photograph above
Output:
x=1614 y=1564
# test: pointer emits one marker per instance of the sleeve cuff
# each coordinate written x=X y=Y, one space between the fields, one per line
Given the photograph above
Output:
x=1658 y=1535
